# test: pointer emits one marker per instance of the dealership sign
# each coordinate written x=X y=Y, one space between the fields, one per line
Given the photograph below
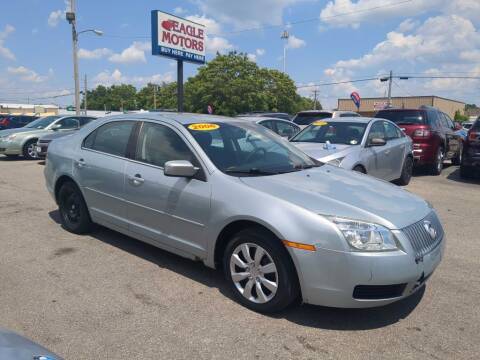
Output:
x=177 y=38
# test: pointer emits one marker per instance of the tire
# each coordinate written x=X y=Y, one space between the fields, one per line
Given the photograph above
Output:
x=279 y=287
x=360 y=169
x=407 y=171
x=437 y=166
x=457 y=160
x=28 y=151
x=466 y=172
x=73 y=210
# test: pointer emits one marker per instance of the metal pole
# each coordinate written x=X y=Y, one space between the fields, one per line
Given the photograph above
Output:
x=284 y=58
x=315 y=99
x=390 y=79
x=180 y=85
x=75 y=59
x=85 y=94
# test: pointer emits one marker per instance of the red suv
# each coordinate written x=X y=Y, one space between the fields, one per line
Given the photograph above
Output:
x=471 y=152
x=433 y=134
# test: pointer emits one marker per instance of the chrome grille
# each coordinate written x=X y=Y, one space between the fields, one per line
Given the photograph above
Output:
x=421 y=240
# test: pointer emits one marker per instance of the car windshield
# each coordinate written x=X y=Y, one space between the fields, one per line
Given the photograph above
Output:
x=308 y=118
x=42 y=123
x=247 y=149
x=403 y=117
x=348 y=133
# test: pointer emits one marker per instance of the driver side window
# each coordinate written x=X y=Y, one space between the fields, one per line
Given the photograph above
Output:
x=377 y=131
x=68 y=123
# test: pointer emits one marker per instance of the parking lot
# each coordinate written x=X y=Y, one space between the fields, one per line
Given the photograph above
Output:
x=107 y=296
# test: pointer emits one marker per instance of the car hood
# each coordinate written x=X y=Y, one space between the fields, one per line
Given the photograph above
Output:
x=319 y=152
x=330 y=190
x=57 y=134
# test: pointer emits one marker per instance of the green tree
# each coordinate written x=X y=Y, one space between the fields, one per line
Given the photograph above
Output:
x=166 y=96
x=459 y=117
x=113 y=98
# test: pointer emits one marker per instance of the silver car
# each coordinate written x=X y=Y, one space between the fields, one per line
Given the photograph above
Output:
x=234 y=195
x=284 y=128
x=371 y=146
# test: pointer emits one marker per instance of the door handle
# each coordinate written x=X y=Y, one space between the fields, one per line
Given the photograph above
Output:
x=387 y=152
x=136 y=180
x=80 y=163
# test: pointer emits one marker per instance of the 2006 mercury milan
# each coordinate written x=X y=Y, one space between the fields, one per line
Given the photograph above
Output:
x=235 y=195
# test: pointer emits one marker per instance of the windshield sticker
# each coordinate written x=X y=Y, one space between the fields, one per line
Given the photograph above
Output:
x=203 y=127
x=319 y=123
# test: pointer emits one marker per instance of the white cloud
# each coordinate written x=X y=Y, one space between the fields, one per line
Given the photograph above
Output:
x=26 y=74
x=254 y=56
x=470 y=55
x=116 y=77
x=246 y=13
x=179 y=10
x=294 y=43
x=4 y=51
x=55 y=17
x=94 y=54
x=260 y=52
x=134 y=53
x=407 y=25
x=213 y=42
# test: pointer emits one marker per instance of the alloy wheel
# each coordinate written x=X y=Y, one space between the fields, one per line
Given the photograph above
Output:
x=254 y=273
x=440 y=160
x=31 y=150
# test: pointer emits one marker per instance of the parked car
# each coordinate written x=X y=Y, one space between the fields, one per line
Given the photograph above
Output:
x=278 y=115
x=15 y=121
x=284 y=128
x=433 y=134
x=305 y=118
x=371 y=146
x=470 y=165
x=23 y=141
x=236 y=196
x=467 y=125
x=16 y=347
x=45 y=140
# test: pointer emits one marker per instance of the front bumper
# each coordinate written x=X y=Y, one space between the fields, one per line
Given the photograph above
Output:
x=41 y=149
x=10 y=148
x=336 y=278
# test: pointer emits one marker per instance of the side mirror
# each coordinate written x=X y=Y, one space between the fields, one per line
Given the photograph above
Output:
x=179 y=168
x=377 y=142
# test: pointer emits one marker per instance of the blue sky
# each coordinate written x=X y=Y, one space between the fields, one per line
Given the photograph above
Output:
x=330 y=41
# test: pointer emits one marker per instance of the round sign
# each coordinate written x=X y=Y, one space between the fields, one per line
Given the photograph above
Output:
x=203 y=127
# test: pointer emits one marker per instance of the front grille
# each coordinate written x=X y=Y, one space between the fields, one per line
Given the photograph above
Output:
x=378 y=292
x=418 y=235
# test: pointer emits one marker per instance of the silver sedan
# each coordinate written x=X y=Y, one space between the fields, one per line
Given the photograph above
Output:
x=236 y=196
x=371 y=146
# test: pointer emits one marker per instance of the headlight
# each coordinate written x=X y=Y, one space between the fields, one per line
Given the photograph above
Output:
x=336 y=162
x=11 y=137
x=365 y=236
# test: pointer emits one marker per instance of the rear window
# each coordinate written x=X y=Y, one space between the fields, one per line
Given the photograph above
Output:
x=404 y=117
x=308 y=118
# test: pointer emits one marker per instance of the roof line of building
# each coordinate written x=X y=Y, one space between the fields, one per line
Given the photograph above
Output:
x=407 y=97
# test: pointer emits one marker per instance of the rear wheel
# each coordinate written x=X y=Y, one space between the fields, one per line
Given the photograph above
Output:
x=407 y=171
x=29 y=151
x=437 y=166
x=260 y=271
x=73 y=210
x=457 y=160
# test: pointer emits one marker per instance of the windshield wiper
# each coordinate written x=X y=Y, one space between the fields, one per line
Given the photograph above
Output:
x=252 y=171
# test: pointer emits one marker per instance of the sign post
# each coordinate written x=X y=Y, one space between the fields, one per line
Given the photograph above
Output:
x=178 y=39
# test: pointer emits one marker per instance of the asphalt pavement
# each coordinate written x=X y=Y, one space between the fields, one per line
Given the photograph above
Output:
x=108 y=296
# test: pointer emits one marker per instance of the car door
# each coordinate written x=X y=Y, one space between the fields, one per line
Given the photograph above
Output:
x=100 y=169
x=377 y=156
x=169 y=211
x=396 y=150
x=453 y=139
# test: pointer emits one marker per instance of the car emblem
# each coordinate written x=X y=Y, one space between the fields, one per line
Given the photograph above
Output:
x=430 y=229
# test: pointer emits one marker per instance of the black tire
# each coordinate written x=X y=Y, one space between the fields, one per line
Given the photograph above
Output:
x=457 y=160
x=73 y=210
x=407 y=171
x=287 y=290
x=28 y=150
x=466 y=172
x=437 y=167
x=360 y=169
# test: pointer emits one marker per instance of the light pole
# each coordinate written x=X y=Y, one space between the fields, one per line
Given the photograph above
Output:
x=285 y=37
x=390 y=78
x=70 y=16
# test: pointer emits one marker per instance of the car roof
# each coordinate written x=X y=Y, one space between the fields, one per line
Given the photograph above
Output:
x=358 y=119
x=317 y=111
x=260 y=118
x=181 y=118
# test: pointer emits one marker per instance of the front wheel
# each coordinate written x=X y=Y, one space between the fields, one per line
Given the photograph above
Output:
x=407 y=171
x=29 y=149
x=73 y=210
x=260 y=271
